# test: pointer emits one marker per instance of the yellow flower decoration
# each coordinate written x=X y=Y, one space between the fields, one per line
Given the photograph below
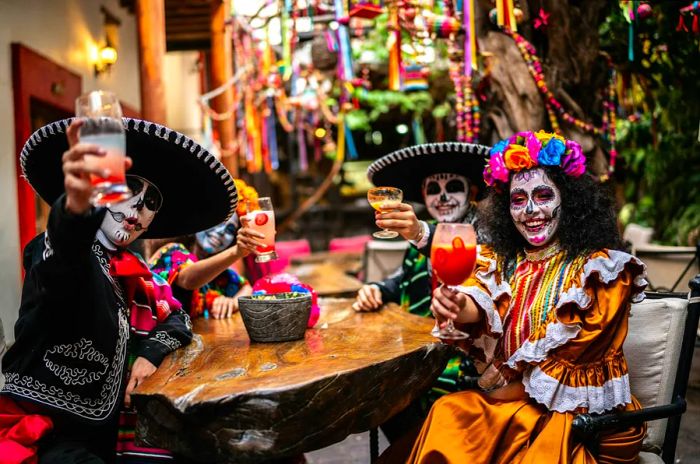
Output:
x=246 y=193
x=544 y=137
x=517 y=157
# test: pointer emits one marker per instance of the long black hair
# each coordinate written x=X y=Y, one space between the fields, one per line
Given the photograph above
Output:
x=588 y=221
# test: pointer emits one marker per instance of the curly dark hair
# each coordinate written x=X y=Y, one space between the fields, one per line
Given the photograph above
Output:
x=588 y=220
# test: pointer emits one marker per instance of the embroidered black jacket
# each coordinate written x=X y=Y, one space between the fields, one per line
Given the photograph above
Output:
x=72 y=337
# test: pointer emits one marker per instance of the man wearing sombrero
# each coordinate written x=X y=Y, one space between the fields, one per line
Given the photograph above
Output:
x=446 y=178
x=90 y=307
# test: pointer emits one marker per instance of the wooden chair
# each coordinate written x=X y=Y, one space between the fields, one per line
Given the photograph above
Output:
x=659 y=351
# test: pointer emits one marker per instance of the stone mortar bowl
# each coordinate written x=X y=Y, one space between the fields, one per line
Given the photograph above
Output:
x=277 y=317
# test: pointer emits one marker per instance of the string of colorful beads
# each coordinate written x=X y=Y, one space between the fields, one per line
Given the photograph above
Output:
x=529 y=53
x=555 y=109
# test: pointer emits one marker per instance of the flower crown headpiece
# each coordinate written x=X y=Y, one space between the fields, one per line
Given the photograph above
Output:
x=526 y=150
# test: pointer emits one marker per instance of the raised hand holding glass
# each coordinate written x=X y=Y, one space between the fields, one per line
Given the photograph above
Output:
x=261 y=217
x=378 y=197
x=102 y=126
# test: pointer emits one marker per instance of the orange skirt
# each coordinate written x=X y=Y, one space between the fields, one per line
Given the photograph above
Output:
x=471 y=427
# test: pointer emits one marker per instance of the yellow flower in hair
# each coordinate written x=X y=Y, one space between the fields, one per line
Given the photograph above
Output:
x=246 y=193
x=517 y=158
x=544 y=137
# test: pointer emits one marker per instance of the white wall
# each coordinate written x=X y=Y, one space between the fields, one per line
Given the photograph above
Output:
x=182 y=91
x=65 y=31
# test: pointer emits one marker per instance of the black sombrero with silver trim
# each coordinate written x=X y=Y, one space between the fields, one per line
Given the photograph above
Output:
x=198 y=191
x=406 y=168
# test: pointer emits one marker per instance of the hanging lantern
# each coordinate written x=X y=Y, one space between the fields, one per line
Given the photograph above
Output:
x=366 y=9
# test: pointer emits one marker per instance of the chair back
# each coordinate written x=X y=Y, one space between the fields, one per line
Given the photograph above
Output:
x=285 y=250
x=349 y=244
x=652 y=349
x=659 y=351
x=637 y=235
x=382 y=258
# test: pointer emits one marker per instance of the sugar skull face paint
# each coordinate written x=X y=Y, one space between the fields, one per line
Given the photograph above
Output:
x=126 y=221
x=446 y=196
x=535 y=206
x=219 y=237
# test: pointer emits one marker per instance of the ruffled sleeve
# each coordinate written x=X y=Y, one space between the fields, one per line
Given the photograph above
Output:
x=492 y=296
x=578 y=362
x=170 y=260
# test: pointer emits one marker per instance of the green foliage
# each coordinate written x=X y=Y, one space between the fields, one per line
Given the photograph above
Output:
x=383 y=101
x=658 y=141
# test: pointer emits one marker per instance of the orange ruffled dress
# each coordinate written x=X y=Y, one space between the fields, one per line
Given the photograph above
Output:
x=556 y=325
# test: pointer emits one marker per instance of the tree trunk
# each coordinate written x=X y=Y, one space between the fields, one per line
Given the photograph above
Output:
x=574 y=70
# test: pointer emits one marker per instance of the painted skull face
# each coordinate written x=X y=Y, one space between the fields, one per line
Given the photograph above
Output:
x=535 y=206
x=126 y=221
x=446 y=196
x=219 y=237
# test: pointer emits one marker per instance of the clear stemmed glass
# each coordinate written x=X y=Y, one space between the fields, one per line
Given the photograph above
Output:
x=102 y=125
x=378 y=197
x=453 y=257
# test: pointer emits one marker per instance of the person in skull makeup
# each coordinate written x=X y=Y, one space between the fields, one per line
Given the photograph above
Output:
x=546 y=310
x=203 y=278
x=94 y=322
x=446 y=177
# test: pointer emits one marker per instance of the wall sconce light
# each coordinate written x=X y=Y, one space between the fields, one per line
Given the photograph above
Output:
x=107 y=53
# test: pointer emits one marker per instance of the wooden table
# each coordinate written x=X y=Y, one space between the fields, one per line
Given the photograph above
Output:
x=224 y=399
x=349 y=262
x=328 y=273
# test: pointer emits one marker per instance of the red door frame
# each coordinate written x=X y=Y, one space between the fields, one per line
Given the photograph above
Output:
x=35 y=76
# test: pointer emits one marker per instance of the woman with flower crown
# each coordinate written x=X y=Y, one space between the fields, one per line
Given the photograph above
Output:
x=547 y=310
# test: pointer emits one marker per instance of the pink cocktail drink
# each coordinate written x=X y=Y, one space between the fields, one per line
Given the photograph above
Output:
x=264 y=222
x=102 y=125
x=113 y=162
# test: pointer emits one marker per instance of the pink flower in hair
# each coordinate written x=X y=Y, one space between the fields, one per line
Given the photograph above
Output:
x=497 y=169
x=532 y=144
x=574 y=161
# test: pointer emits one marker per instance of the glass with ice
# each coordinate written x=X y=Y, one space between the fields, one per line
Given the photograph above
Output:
x=261 y=217
x=102 y=126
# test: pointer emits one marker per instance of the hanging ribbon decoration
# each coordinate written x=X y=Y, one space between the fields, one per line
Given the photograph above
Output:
x=345 y=58
x=470 y=63
x=272 y=134
x=286 y=65
x=394 y=46
x=628 y=8
x=352 y=150
x=418 y=132
x=301 y=143
x=340 y=144
x=505 y=15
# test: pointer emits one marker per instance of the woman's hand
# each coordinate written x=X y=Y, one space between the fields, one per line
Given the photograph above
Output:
x=140 y=371
x=447 y=304
x=224 y=307
x=369 y=298
x=247 y=239
x=76 y=173
x=400 y=218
